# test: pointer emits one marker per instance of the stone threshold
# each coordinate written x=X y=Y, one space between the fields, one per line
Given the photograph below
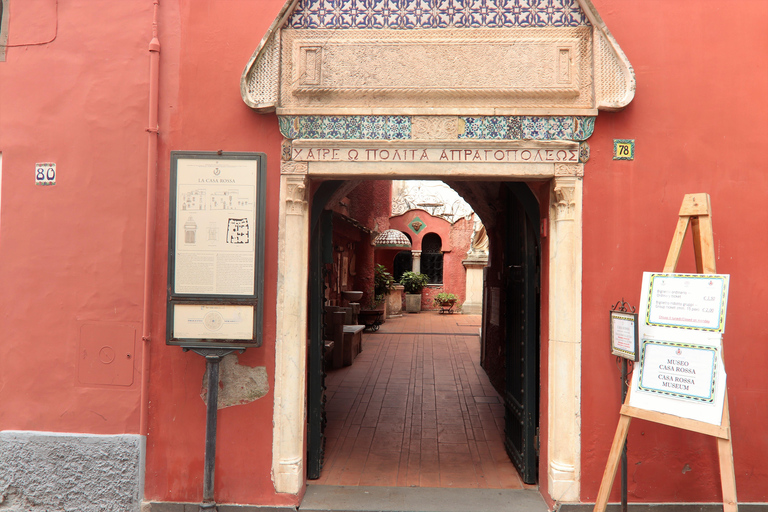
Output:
x=166 y=506
x=663 y=507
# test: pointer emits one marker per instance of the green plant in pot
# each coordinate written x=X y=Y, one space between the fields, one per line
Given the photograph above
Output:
x=445 y=301
x=414 y=283
x=383 y=284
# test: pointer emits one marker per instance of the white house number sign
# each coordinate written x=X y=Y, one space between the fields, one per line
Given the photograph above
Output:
x=45 y=173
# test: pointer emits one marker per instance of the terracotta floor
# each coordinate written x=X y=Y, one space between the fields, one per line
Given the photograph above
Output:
x=417 y=410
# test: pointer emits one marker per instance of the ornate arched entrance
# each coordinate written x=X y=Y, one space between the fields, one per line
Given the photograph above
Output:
x=504 y=95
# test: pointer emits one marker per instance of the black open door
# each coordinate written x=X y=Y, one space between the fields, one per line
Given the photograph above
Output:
x=522 y=258
x=320 y=257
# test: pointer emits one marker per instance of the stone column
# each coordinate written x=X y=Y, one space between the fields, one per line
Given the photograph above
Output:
x=290 y=350
x=473 y=303
x=564 y=452
x=416 y=261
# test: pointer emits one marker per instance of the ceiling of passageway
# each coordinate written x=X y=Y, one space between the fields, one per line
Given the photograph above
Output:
x=482 y=196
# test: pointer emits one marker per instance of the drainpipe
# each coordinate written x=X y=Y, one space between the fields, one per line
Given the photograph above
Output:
x=149 y=240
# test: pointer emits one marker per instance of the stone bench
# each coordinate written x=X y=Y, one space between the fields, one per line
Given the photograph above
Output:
x=353 y=342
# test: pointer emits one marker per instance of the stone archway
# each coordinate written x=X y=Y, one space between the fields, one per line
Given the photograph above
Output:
x=370 y=94
x=564 y=313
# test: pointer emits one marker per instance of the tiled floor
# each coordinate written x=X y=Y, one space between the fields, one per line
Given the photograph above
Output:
x=417 y=410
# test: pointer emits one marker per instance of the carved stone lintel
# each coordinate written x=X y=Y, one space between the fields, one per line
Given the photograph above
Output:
x=295 y=195
x=569 y=170
x=435 y=127
x=564 y=198
x=294 y=168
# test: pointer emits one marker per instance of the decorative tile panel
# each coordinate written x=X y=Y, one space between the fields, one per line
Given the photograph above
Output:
x=430 y=14
x=577 y=128
x=527 y=127
x=346 y=127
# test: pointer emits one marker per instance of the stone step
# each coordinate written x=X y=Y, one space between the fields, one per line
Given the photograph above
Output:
x=330 y=498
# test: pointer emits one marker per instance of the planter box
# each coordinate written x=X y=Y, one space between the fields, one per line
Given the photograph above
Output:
x=412 y=302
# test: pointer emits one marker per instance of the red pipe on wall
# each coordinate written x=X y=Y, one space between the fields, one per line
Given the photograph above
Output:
x=149 y=241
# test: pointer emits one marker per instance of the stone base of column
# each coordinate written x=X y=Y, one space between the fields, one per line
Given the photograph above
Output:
x=289 y=476
x=563 y=482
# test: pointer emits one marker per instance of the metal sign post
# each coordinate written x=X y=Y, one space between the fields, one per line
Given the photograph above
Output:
x=212 y=357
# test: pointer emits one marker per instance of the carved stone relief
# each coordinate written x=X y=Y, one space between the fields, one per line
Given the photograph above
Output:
x=466 y=67
x=434 y=127
x=296 y=195
x=569 y=170
x=564 y=198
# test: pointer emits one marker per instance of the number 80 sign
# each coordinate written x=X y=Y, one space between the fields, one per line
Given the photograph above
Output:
x=45 y=174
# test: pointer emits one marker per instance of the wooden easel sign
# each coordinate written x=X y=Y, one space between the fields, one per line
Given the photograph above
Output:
x=680 y=378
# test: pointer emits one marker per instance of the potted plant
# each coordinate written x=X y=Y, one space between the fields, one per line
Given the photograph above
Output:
x=383 y=284
x=413 y=282
x=445 y=301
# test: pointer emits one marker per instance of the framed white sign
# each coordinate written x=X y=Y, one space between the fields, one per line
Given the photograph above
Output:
x=679 y=370
x=624 y=339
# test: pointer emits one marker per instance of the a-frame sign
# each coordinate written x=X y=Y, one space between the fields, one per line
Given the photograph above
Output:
x=696 y=213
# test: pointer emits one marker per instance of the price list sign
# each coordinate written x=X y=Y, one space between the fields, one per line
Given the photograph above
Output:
x=687 y=301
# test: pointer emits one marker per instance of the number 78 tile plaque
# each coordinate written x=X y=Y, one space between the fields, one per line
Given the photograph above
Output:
x=624 y=149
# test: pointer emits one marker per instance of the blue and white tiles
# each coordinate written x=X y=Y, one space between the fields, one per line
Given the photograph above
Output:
x=346 y=127
x=527 y=127
x=428 y=14
x=578 y=128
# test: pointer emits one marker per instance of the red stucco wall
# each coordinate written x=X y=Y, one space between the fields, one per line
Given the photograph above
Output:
x=71 y=255
x=206 y=48
x=699 y=119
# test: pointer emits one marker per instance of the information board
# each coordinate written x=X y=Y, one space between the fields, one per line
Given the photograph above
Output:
x=216 y=248
x=680 y=370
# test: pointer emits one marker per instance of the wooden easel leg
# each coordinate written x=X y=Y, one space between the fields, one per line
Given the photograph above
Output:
x=727 y=471
x=727 y=475
x=677 y=244
x=705 y=259
x=613 y=463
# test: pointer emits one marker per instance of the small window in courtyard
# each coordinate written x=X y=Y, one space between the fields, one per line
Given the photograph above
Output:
x=403 y=263
x=432 y=258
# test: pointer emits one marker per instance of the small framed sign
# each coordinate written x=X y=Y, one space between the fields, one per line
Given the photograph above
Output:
x=216 y=249
x=624 y=338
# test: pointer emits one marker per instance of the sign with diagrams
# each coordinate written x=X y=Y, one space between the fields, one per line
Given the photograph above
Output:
x=215 y=248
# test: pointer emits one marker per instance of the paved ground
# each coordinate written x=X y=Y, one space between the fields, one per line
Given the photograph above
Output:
x=416 y=410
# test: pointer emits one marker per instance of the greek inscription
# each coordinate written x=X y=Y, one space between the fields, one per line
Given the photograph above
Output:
x=415 y=154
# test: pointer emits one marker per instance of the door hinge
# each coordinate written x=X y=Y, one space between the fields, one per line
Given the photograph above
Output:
x=537 y=441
